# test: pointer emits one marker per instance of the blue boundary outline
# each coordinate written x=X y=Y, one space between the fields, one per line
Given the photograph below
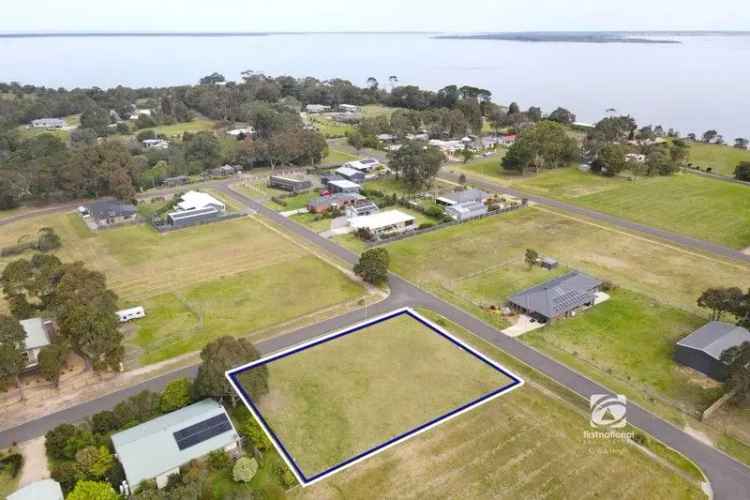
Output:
x=234 y=373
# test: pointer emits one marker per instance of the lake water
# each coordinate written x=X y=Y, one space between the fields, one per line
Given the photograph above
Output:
x=700 y=84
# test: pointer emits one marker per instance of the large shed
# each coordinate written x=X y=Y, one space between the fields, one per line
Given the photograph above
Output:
x=702 y=349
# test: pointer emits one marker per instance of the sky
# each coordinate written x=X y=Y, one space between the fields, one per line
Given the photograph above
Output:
x=383 y=15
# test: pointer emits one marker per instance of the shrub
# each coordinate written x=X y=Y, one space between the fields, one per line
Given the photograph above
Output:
x=48 y=240
x=95 y=462
x=139 y=408
x=434 y=211
x=640 y=439
x=57 y=438
x=218 y=460
x=250 y=429
x=104 y=422
x=12 y=464
x=92 y=490
x=279 y=201
x=373 y=266
x=175 y=396
x=608 y=286
x=244 y=470
x=145 y=135
x=67 y=474
x=425 y=225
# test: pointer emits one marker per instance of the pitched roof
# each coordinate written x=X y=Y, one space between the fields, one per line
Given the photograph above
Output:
x=716 y=337
x=46 y=489
x=558 y=296
x=36 y=334
x=335 y=198
x=104 y=209
x=159 y=445
x=195 y=200
x=380 y=220
x=348 y=172
x=343 y=184
x=465 y=196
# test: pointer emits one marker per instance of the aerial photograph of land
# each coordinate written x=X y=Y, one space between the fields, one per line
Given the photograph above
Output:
x=398 y=251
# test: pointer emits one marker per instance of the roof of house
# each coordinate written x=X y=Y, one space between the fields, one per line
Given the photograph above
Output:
x=348 y=172
x=335 y=198
x=46 y=489
x=467 y=207
x=557 y=296
x=464 y=196
x=716 y=337
x=343 y=184
x=37 y=335
x=288 y=179
x=366 y=164
x=193 y=212
x=380 y=219
x=167 y=442
x=195 y=200
x=104 y=209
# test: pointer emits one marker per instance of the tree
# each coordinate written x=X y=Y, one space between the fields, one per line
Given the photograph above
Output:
x=12 y=345
x=96 y=119
x=535 y=114
x=467 y=154
x=513 y=109
x=30 y=286
x=92 y=490
x=95 y=462
x=721 y=300
x=48 y=240
x=562 y=115
x=738 y=377
x=545 y=145
x=52 y=361
x=176 y=395
x=710 y=136
x=373 y=266
x=204 y=150
x=212 y=79
x=530 y=257
x=742 y=171
x=416 y=164
x=217 y=358
x=87 y=316
x=244 y=469
x=355 y=139
x=611 y=160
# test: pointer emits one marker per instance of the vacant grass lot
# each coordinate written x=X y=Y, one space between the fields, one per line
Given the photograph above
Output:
x=705 y=208
x=343 y=397
x=722 y=159
x=198 y=283
x=526 y=444
x=337 y=157
x=177 y=129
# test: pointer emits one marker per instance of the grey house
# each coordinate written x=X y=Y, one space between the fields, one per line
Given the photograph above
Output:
x=559 y=297
x=290 y=184
x=465 y=196
x=351 y=174
x=702 y=349
x=105 y=213
x=463 y=212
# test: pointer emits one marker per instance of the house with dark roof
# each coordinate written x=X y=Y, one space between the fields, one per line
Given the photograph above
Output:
x=557 y=298
x=104 y=213
x=702 y=349
x=336 y=200
x=158 y=448
x=290 y=184
x=351 y=174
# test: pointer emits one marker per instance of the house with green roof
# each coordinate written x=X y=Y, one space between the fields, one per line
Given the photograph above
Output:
x=158 y=448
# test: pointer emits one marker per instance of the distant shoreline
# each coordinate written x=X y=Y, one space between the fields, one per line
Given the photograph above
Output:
x=562 y=38
x=198 y=34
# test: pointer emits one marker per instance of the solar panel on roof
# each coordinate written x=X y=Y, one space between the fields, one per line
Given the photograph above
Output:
x=202 y=431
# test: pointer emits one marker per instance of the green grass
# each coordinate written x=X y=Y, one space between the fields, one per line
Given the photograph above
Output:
x=338 y=399
x=184 y=321
x=316 y=222
x=722 y=159
x=296 y=202
x=337 y=157
x=373 y=110
x=8 y=484
x=708 y=209
x=632 y=338
x=330 y=128
x=735 y=448
x=176 y=130
x=527 y=444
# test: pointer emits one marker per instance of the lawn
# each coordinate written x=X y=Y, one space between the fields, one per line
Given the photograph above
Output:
x=343 y=397
x=330 y=128
x=722 y=159
x=704 y=208
x=527 y=444
x=625 y=343
x=337 y=157
x=176 y=130
x=8 y=484
x=238 y=269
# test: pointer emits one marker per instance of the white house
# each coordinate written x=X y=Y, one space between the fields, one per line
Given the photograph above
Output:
x=247 y=131
x=384 y=224
x=349 y=108
x=38 y=335
x=366 y=165
x=317 y=108
x=48 y=123
x=155 y=144
x=195 y=200
x=156 y=449
x=463 y=212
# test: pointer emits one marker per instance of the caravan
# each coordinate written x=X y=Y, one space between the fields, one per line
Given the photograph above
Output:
x=133 y=313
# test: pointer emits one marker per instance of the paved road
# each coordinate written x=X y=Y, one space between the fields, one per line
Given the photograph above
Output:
x=730 y=479
x=696 y=244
